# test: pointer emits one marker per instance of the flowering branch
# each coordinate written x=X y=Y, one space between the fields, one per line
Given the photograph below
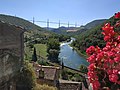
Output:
x=104 y=68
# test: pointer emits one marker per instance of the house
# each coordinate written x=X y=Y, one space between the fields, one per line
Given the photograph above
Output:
x=11 y=54
x=50 y=75
x=47 y=74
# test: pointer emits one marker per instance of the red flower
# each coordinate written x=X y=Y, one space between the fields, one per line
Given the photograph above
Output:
x=111 y=61
x=90 y=50
x=118 y=38
x=115 y=71
x=100 y=56
x=110 y=54
x=96 y=85
x=109 y=71
x=105 y=62
x=113 y=78
x=91 y=59
x=92 y=67
x=117 y=59
x=107 y=28
x=98 y=50
x=107 y=38
x=117 y=15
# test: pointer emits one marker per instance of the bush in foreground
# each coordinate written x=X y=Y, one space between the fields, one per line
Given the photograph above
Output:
x=104 y=68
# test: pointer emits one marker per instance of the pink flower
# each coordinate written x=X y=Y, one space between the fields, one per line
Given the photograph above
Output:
x=100 y=56
x=117 y=59
x=105 y=62
x=115 y=71
x=91 y=59
x=92 y=67
x=110 y=54
x=111 y=61
x=118 y=38
x=96 y=85
x=109 y=71
x=113 y=78
x=107 y=28
x=90 y=50
x=107 y=38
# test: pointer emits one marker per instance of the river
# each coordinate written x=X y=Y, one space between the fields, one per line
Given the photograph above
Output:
x=70 y=57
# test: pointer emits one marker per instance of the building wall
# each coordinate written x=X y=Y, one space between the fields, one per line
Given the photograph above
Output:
x=45 y=81
x=69 y=86
x=11 y=54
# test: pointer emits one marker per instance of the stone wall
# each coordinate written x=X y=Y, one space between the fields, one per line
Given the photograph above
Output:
x=70 y=86
x=44 y=81
x=11 y=52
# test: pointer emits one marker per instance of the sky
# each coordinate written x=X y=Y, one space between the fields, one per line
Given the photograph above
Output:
x=72 y=11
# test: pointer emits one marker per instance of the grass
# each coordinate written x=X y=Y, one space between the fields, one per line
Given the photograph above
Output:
x=41 y=49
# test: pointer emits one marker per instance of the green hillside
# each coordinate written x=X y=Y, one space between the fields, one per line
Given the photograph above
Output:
x=23 y=23
x=94 y=23
x=91 y=37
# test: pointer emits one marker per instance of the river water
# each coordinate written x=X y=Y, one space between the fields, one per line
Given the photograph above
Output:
x=70 y=57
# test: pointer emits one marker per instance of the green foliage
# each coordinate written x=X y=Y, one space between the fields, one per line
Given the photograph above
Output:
x=34 y=56
x=69 y=75
x=26 y=77
x=53 y=44
x=90 y=37
x=53 y=48
x=83 y=69
x=43 y=62
x=64 y=74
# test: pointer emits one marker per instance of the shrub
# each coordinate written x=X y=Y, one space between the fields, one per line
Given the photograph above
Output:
x=44 y=87
x=104 y=68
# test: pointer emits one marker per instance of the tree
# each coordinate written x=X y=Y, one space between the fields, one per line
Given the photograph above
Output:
x=62 y=65
x=53 y=49
x=34 y=56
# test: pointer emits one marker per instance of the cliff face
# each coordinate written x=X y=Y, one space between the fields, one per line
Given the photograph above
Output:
x=11 y=53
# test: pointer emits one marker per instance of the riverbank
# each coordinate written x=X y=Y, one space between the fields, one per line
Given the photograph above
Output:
x=79 y=52
x=71 y=57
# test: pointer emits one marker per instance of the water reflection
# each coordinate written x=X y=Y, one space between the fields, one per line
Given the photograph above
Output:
x=70 y=57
